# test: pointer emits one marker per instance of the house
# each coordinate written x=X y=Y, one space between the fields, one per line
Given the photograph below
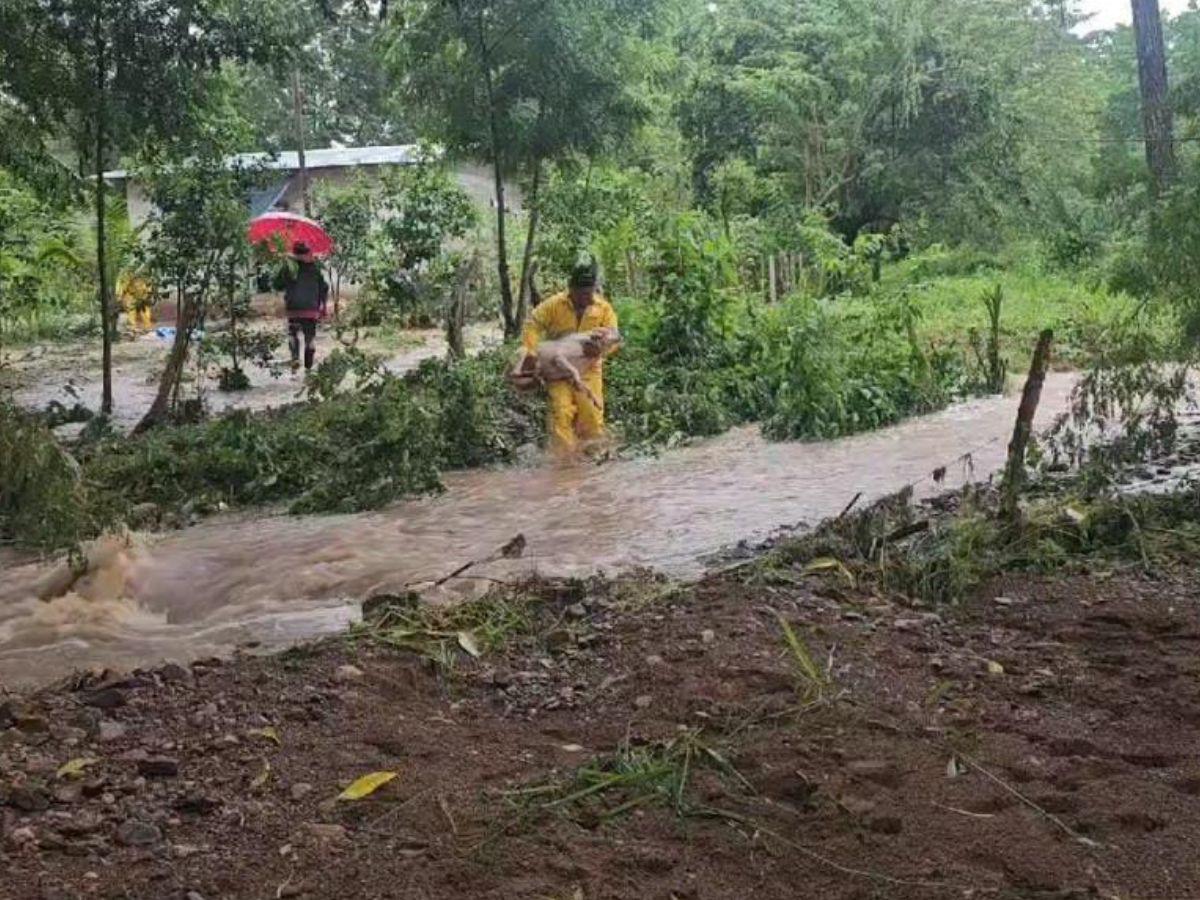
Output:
x=330 y=166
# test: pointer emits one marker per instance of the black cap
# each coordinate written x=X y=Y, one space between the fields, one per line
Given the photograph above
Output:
x=583 y=275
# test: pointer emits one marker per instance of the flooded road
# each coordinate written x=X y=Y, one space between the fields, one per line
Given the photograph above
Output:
x=271 y=581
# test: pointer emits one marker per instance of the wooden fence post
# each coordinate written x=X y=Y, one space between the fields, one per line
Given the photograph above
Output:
x=1014 y=471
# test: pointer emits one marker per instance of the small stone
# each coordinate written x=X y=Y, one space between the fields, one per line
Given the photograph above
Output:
x=559 y=638
x=576 y=611
x=193 y=895
x=68 y=793
x=348 y=673
x=19 y=837
x=907 y=624
x=108 y=698
x=229 y=740
x=111 y=731
x=654 y=660
x=708 y=636
x=300 y=790
x=158 y=767
x=29 y=798
x=290 y=890
x=138 y=834
x=174 y=673
x=643 y=701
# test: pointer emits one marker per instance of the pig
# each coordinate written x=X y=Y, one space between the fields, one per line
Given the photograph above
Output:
x=562 y=359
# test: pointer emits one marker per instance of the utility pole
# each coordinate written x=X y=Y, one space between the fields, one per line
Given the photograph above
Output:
x=298 y=109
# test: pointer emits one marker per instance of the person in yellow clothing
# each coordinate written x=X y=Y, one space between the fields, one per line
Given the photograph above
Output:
x=573 y=417
x=137 y=296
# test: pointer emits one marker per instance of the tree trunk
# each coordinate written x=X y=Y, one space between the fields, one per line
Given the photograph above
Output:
x=772 y=285
x=456 y=316
x=169 y=381
x=530 y=239
x=1157 y=123
x=106 y=323
x=1014 y=470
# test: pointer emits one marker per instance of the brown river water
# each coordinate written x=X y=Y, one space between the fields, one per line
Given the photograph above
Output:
x=271 y=581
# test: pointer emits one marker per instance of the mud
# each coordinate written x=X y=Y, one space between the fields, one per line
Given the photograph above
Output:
x=1038 y=742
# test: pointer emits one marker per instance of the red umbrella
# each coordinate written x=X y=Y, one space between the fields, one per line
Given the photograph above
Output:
x=291 y=229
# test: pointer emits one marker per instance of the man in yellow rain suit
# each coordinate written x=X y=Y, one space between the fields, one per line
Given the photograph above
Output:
x=580 y=308
x=137 y=296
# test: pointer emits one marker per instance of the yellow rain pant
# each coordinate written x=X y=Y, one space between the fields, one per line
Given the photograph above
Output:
x=573 y=416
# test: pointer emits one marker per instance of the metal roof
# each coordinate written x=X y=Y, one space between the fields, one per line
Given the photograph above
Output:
x=337 y=158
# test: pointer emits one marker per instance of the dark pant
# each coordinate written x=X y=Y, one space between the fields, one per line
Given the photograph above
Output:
x=309 y=328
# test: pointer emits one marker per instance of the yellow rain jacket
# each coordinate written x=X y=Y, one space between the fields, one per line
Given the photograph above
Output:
x=572 y=414
x=137 y=296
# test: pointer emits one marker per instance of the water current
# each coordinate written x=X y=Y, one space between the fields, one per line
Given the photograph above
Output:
x=273 y=580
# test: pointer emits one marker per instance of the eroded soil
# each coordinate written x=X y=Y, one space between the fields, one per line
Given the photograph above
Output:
x=1039 y=742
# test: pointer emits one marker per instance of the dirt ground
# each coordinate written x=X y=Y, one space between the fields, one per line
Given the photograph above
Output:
x=1039 y=742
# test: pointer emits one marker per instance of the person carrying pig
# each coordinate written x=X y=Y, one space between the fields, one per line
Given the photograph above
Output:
x=581 y=308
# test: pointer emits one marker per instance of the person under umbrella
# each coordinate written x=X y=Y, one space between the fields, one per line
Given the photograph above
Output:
x=305 y=296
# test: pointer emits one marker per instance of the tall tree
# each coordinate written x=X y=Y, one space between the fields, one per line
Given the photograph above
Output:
x=116 y=73
x=519 y=83
x=1157 y=118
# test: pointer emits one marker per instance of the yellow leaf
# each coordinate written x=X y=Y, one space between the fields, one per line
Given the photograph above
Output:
x=366 y=785
x=467 y=641
x=267 y=734
x=262 y=777
x=828 y=564
x=74 y=768
x=994 y=668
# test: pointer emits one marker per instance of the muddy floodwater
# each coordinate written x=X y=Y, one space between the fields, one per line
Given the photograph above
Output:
x=269 y=581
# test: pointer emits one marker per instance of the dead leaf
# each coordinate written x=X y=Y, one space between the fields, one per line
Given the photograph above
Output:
x=994 y=668
x=267 y=734
x=262 y=777
x=366 y=785
x=466 y=640
x=74 y=768
x=828 y=564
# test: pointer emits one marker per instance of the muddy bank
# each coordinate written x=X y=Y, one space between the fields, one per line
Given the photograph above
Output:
x=641 y=739
x=207 y=589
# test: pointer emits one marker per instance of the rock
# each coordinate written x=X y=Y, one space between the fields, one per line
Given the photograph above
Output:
x=576 y=611
x=643 y=702
x=134 y=833
x=19 y=837
x=300 y=790
x=158 y=767
x=907 y=624
x=193 y=895
x=558 y=639
x=81 y=824
x=108 y=698
x=290 y=890
x=94 y=787
x=111 y=731
x=68 y=793
x=654 y=660
x=348 y=673
x=174 y=673
x=29 y=798
x=708 y=636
